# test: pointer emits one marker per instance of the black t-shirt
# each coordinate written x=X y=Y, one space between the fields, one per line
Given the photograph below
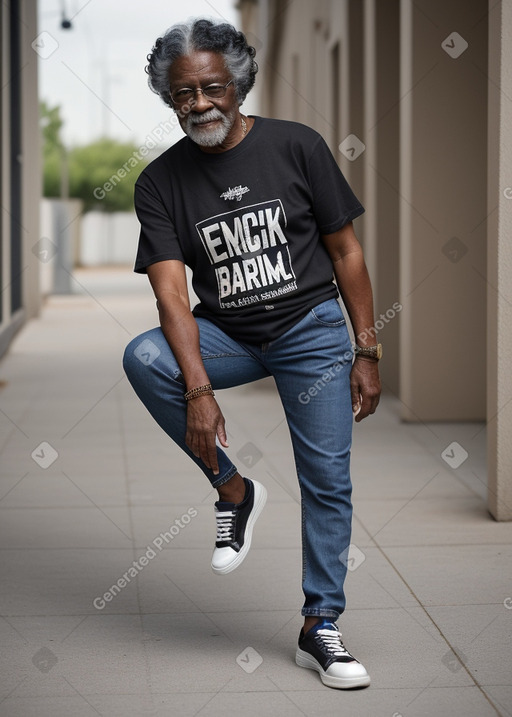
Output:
x=248 y=221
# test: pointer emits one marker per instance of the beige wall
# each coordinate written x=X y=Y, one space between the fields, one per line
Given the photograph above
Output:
x=421 y=115
x=443 y=185
x=436 y=180
x=302 y=47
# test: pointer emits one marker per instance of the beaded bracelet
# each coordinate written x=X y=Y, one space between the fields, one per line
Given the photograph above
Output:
x=205 y=390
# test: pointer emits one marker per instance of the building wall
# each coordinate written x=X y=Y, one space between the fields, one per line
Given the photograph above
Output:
x=20 y=168
x=443 y=209
x=433 y=111
x=377 y=71
x=312 y=59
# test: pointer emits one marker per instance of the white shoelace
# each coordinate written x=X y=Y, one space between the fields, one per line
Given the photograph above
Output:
x=331 y=640
x=225 y=525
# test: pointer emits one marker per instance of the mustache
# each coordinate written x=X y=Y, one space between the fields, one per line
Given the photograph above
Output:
x=203 y=118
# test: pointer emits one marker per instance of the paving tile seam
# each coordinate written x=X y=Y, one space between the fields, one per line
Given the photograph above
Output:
x=124 y=452
x=141 y=547
x=152 y=614
x=441 y=633
x=254 y=549
x=445 y=544
x=320 y=690
x=128 y=504
x=353 y=609
x=458 y=499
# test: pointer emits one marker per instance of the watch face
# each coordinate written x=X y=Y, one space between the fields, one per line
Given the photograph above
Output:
x=379 y=351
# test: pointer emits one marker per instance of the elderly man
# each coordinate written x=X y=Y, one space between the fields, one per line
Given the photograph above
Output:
x=260 y=212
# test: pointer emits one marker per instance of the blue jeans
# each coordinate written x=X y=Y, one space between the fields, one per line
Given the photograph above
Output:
x=311 y=365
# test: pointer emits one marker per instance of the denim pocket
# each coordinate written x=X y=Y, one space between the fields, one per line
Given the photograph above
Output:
x=328 y=313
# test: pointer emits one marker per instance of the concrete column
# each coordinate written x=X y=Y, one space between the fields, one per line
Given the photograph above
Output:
x=31 y=159
x=369 y=138
x=499 y=263
x=353 y=96
x=386 y=131
x=5 y=223
x=443 y=186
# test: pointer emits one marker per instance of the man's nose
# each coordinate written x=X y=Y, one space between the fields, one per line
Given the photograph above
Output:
x=203 y=102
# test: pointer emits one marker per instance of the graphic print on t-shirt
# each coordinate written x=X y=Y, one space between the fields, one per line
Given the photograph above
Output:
x=235 y=193
x=249 y=251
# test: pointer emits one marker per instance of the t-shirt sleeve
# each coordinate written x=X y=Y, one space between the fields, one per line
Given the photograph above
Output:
x=158 y=240
x=334 y=202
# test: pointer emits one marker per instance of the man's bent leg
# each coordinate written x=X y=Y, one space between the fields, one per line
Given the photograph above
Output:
x=157 y=380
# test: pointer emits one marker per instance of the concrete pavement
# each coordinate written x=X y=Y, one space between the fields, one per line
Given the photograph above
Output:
x=93 y=494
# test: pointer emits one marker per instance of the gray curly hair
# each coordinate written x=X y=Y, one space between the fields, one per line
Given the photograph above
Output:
x=205 y=35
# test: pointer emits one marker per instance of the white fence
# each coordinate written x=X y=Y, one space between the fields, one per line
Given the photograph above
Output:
x=108 y=238
x=75 y=239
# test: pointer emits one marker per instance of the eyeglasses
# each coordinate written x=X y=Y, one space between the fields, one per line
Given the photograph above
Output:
x=213 y=92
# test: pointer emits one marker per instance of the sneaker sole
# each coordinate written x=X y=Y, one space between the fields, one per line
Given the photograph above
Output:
x=304 y=659
x=260 y=498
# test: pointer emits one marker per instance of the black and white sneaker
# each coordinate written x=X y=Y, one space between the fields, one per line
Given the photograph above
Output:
x=321 y=649
x=235 y=522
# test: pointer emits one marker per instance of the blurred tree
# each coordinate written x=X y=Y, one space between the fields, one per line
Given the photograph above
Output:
x=102 y=173
x=53 y=148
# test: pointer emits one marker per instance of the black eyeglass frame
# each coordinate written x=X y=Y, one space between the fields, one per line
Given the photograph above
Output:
x=191 y=92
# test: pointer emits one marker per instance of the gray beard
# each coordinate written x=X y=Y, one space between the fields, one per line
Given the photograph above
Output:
x=209 y=137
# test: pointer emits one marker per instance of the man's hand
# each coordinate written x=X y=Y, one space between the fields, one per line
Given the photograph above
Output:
x=204 y=422
x=364 y=387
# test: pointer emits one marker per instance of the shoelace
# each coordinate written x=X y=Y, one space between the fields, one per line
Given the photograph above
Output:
x=225 y=525
x=331 y=641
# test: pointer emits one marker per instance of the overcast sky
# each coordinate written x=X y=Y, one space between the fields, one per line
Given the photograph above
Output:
x=96 y=71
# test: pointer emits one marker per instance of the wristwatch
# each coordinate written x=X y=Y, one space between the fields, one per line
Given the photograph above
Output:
x=372 y=352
